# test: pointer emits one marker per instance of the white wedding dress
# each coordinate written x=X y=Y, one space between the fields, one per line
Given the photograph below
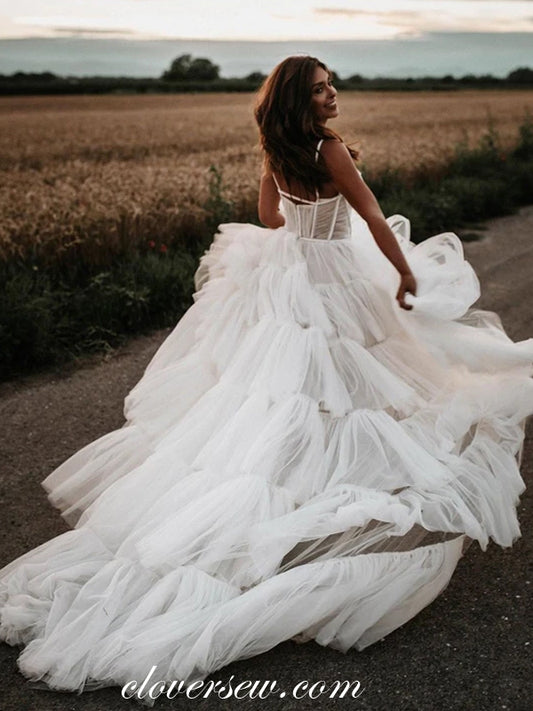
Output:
x=302 y=459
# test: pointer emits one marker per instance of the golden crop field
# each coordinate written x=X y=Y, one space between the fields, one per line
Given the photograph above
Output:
x=107 y=171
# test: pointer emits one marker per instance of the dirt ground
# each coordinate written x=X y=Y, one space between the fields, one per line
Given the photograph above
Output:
x=470 y=649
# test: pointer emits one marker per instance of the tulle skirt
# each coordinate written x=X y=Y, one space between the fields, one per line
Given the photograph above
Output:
x=302 y=459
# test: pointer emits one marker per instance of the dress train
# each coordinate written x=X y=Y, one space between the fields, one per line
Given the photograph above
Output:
x=301 y=460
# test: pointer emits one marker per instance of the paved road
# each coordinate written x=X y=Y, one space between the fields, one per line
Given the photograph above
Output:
x=470 y=649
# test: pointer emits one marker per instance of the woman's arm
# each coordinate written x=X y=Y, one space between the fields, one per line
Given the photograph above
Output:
x=348 y=182
x=268 y=205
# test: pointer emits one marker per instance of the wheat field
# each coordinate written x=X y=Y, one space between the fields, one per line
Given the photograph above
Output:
x=111 y=172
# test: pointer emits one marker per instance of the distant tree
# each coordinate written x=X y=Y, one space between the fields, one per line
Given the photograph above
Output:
x=185 y=68
x=203 y=69
x=33 y=76
x=355 y=79
x=522 y=75
x=178 y=69
x=255 y=77
x=468 y=79
x=487 y=79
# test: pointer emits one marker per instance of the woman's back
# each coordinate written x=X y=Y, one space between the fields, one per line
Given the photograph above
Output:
x=299 y=192
x=326 y=216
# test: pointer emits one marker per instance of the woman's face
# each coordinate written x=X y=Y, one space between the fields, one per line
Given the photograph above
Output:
x=323 y=96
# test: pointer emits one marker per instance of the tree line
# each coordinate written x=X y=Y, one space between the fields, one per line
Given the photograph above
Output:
x=191 y=74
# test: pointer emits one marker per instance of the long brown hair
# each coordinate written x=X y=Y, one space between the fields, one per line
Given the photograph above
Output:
x=288 y=131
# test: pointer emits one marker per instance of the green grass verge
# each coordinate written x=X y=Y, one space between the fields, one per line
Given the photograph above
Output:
x=48 y=316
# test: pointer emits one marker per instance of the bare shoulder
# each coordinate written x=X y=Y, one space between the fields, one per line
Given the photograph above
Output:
x=335 y=152
x=333 y=146
x=339 y=162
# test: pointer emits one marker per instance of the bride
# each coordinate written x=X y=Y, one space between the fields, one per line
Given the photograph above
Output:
x=307 y=456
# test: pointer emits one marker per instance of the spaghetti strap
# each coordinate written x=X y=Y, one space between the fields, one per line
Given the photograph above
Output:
x=317 y=150
x=290 y=195
x=317 y=153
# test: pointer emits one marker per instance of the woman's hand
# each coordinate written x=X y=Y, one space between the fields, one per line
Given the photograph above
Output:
x=407 y=285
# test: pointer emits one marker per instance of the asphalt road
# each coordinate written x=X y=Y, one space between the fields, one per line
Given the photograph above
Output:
x=471 y=649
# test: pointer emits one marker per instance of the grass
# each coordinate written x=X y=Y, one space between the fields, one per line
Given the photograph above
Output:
x=54 y=307
x=88 y=179
x=477 y=183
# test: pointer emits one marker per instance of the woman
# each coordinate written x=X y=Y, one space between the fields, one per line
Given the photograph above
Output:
x=304 y=111
x=303 y=458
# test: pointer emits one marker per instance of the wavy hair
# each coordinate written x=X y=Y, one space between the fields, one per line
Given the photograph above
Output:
x=288 y=131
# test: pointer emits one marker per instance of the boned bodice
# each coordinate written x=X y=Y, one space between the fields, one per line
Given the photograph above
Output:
x=325 y=218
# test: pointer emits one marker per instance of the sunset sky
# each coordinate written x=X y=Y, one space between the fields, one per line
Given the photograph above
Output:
x=258 y=20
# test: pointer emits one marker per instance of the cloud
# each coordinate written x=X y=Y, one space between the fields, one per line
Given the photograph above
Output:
x=455 y=18
x=92 y=31
x=349 y=12
x=395 y=17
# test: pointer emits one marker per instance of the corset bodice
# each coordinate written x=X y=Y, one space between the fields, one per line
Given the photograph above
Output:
x=325 y=218
x=322 y=218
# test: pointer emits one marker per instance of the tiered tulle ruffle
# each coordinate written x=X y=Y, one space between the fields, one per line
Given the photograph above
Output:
x=301 y=459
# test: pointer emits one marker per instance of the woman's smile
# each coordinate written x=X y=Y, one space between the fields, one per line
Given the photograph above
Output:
x=323 y=96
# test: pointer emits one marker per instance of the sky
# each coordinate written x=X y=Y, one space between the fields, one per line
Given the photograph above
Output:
x=260 y=20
